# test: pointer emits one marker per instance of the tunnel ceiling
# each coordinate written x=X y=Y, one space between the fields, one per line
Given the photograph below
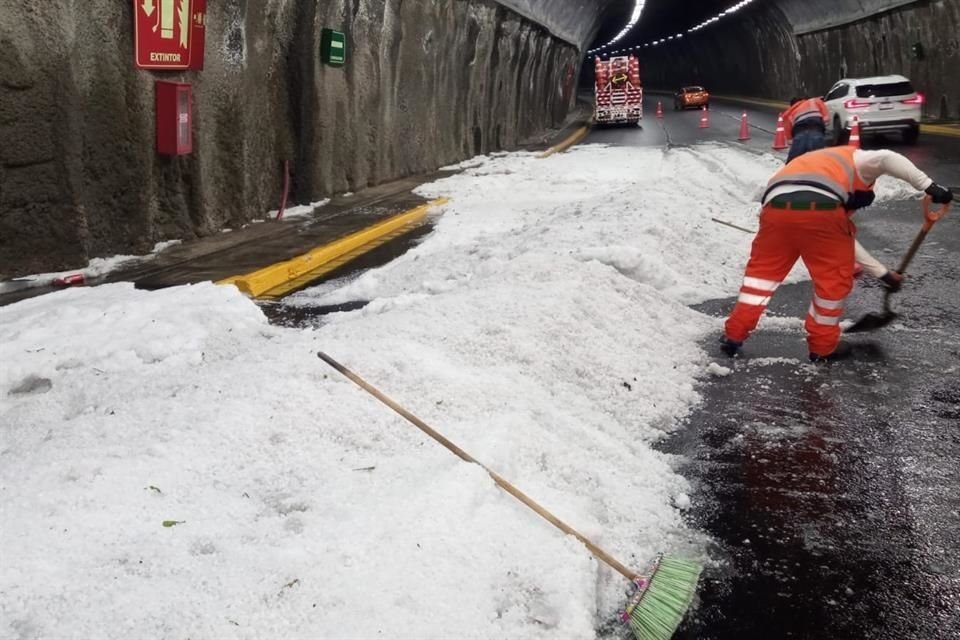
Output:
x=659 y=18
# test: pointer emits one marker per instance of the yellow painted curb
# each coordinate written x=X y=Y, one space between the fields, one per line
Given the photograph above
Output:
x=941 y=129
x=283 y=277
x=574 y=138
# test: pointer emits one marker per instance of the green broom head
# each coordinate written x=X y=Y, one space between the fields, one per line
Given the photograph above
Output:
x=658 y=607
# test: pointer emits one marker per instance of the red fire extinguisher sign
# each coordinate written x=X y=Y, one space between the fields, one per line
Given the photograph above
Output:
x=163 y=33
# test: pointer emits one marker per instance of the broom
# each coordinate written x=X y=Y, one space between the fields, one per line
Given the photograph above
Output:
x=657 y=607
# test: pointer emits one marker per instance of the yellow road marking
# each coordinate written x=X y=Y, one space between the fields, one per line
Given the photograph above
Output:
x=281 y=278
x=760 y=101
x=573 y=139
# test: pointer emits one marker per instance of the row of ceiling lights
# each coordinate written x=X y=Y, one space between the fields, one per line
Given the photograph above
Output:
x=634 y=18
x=653 y=43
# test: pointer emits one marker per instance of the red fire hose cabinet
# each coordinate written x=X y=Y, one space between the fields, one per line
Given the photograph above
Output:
x=174 y=118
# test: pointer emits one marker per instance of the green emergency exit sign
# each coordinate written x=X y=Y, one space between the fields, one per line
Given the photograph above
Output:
x=333 y=47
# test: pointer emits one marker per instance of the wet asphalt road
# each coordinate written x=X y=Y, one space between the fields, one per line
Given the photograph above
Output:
x=832 y=492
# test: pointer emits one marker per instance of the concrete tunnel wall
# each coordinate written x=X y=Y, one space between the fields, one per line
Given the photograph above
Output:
x=426 y=84
x=784 y=47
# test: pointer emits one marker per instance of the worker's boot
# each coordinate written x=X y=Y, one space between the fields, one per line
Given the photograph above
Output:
x=729 y=347
x=842 y=352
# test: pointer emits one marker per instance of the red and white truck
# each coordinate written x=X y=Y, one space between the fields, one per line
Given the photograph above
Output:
x=617 y=89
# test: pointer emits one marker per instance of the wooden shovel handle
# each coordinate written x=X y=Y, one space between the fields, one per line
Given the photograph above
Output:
x=599 y=553
x=929 y=219
x=929 y=216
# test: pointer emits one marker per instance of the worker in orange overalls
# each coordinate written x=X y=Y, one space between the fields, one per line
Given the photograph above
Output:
x=806 y=214
x=805 y=123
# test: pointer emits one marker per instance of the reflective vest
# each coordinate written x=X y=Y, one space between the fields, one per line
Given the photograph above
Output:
x=806 y=110
x=831 y=169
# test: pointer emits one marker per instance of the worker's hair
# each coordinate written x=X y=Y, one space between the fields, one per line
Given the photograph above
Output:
x=794 y=100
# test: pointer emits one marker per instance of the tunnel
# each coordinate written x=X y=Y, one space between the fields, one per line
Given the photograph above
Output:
x=270 y=269
x=425 y=84
x=784 y=48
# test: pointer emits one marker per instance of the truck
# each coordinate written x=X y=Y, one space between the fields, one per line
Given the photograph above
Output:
x=617 y=90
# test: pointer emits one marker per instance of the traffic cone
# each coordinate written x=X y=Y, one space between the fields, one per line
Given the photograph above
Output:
x=855 y=133
x=780 y=139
x=659 y=109
x=704 y=119
x=744 y=128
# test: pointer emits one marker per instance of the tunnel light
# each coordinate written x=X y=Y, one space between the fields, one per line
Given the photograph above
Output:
x=706 y=23
x=634 y=18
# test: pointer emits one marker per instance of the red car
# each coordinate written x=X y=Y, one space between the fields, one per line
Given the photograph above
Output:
x=693 y=96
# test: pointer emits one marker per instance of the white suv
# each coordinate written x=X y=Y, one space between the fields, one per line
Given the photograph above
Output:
x=883 y=104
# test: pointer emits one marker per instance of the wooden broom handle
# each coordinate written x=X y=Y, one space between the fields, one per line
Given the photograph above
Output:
x=599 y=553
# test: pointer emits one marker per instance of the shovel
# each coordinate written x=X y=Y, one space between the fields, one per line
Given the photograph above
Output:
x=874 y=321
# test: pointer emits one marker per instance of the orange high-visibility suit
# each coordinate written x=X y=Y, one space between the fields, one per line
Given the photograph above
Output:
x=806 y=214
x=810 y=111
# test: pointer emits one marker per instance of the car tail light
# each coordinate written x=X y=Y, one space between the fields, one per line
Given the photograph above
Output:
x=917 y=99
x=853 y=103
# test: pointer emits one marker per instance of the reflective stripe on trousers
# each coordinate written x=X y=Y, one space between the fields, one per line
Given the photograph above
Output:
x=757 y=291
x=825 y=312
x=824 y=240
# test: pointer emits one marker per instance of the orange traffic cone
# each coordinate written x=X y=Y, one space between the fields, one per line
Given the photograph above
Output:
x=780 y=139
x=744 y=128
x=855 y=133
x=704 y=119
x=659 y=109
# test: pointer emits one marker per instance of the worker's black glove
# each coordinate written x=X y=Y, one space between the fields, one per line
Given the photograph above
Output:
x=860 y=199
x=892 y=280
x=940 y=195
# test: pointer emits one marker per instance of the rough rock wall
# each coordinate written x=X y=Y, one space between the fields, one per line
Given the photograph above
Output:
x=426 y=84
x=881 y=45
x=575 y=21
x=816 y=15
x=753 y=53
x=434 y=82
x=773 y=50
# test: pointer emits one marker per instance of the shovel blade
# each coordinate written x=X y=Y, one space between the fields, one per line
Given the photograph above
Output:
x=871 y=322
